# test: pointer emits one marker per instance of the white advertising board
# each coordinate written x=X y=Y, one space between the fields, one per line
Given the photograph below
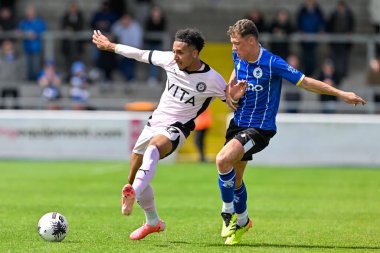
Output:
x=66 y=135
x=324 y=139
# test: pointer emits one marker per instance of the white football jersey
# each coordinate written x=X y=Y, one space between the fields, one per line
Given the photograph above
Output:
x=187 y=94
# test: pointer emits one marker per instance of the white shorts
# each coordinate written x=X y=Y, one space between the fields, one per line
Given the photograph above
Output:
x=172 y=133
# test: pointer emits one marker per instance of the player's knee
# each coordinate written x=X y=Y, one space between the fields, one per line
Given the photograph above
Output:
x=222 y=163
x=163 y=147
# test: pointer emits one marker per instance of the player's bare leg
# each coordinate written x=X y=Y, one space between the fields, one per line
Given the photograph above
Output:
x=134 y=165
x=230 y=154
x=158 y=147
x=226 y=158
x=239 y=170
x=233 y=191
x=128 y=193
x=243 y=223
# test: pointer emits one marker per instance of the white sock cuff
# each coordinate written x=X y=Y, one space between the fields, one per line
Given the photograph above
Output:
x=242 y=218
x=151 y=217
x=228 y=207
x=222 y=174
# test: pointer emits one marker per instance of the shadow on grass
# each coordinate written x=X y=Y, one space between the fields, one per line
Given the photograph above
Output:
x=172 y=242
x=71 y=241
x=267 y=245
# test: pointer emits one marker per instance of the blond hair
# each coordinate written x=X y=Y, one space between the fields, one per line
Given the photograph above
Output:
x=243 y=27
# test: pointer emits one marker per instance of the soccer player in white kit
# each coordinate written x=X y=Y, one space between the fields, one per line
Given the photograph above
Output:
x=190 y=87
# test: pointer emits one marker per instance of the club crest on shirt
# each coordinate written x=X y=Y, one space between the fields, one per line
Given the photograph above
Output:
x=201 y=87
x=257 y=72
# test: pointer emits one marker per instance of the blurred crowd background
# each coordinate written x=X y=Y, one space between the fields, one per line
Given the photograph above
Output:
x=47 y=60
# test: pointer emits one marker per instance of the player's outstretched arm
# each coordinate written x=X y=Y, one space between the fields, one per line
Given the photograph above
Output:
x=313 y=85
x=103 y=43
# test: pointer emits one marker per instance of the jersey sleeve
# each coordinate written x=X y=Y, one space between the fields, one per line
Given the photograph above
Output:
x=132 y=52
x=158 y=58
x=284 y=70
x=161 y=58
x=220 y=86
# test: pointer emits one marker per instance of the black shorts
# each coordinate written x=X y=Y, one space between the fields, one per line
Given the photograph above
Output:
x=253 y=139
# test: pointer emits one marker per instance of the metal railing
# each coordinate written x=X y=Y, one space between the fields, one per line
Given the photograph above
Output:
x=50 y=38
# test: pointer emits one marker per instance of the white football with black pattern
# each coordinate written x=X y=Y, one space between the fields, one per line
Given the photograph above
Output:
x=53 y=227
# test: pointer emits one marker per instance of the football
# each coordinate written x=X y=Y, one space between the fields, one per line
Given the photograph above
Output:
x=53 y=227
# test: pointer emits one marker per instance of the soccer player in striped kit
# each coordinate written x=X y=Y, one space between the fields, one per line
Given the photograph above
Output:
x=254 y=122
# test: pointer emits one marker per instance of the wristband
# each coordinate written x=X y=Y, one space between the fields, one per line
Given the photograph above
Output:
x=234 y=101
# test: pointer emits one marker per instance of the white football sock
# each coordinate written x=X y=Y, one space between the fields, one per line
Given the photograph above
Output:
x=242 y=218
x=147 y=170
x=228 y=207
x=146 y=202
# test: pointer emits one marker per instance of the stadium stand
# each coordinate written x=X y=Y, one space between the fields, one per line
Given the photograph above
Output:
x=191 y=13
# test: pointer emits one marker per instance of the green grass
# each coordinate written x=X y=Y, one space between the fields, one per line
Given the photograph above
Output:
x=293 y=210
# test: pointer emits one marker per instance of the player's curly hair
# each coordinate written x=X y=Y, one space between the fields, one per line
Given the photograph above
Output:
x=191 y=36
x=244 y=27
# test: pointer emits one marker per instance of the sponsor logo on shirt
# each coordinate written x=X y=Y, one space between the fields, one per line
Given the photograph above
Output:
x=252 y=87
x=183 y=95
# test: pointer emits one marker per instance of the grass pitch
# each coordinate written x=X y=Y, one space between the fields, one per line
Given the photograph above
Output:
x=293 y=210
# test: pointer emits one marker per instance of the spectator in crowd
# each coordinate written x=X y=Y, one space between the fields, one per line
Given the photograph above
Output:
x=202 y=125
x=128 y=32
x=12 y=72
x=9 y=4
x=7 y=22
x=31 y=29
x=142 y=7
x=6 y=19
x=103 y=20
x=310 y=21
x=374 y=15
x=118 y=7
x=257 y=17
x=79 y=92
x=155 y=26
x=292 y=96
x=331 y=77
x=50 y=82
x=341 y=21
x=72 y=21
x=281 y=27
